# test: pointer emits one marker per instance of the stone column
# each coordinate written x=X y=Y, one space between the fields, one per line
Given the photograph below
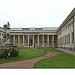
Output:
x=52 y=40
x=23 y=41
x=33 y=41
x=18 y=40
x=14 y=39
x=70 y=36
x=74 y=30
x=1 y=37
x=48 y=40
x=43 y=40
x=38 y=41
x=28 y=40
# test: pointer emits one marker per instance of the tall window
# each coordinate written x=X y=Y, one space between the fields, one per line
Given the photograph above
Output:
x=72 y=37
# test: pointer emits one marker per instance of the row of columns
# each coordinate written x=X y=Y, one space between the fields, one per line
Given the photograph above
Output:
x=38 y=43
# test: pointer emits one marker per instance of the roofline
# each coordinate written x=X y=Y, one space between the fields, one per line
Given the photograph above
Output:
x=34 y=29
x=2 y=29
x=67 y=19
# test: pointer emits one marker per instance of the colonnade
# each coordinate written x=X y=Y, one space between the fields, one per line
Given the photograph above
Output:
x=34 y=40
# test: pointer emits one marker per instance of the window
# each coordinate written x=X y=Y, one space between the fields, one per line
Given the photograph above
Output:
x=72 y=37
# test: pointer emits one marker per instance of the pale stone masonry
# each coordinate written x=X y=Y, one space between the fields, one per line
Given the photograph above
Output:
x=62 y=36
x=66 y=32
x=33 y=37
x=2 y=32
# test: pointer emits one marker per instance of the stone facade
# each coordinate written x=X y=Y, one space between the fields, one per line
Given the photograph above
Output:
x=66 y=32
x=2 y=32
x=34 y=37
x=63 y=36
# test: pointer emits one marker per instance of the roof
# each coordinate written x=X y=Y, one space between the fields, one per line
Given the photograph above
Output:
x=34 y=29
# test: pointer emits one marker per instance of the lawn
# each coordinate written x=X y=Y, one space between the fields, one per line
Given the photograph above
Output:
x=58 y=61
x=51 y=49
x=24 y=53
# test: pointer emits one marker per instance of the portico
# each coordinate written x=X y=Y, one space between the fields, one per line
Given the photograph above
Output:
x=33 y=40
x=30 y=37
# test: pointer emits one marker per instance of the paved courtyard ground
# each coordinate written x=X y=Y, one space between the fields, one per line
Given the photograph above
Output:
x=67 y=51
x=28 y=63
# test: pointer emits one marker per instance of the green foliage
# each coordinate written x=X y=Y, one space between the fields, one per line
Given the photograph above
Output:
x=0 y=54
x=8 y=52
x=5 y=53
x=58 y=61
x=24 y=53
x=14 y=53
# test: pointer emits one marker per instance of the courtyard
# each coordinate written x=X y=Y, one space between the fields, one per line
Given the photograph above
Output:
x=38 y=58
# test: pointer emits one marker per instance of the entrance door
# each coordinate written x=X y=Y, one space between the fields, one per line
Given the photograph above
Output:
x=30 y=40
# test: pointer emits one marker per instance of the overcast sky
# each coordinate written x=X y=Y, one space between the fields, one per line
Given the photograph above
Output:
x=35 y=13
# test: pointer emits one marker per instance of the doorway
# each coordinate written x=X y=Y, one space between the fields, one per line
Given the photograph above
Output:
x=30 y=40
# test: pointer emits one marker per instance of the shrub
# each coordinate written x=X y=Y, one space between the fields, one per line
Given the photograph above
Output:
x=14 y=53
x=8 y=52
x=0 y=53
x=4 y=53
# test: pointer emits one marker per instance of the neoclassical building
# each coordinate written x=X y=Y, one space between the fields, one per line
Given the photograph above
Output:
x=43 y=37
x=62 y=36
x=66 y=32
x=2 y=32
